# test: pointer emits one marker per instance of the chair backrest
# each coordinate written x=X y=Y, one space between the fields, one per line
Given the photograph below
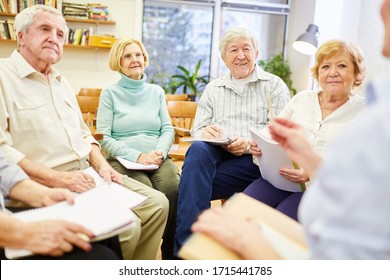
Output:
x=182 y=113
x=90 y=91
x=88 y=106
x=176 y=97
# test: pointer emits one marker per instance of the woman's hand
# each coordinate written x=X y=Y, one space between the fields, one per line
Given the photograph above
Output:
x=253 y=148
x=295 y=175
x=241 y=236
x=292 y=138
x=152 y=157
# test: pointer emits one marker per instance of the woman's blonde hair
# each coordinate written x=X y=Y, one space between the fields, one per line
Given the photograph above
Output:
x=337 y=47
x=116 y=52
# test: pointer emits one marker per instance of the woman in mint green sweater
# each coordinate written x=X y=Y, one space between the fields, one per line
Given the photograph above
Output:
x=134 y=118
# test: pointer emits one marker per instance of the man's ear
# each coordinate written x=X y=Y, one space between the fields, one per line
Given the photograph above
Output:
x=20 y=38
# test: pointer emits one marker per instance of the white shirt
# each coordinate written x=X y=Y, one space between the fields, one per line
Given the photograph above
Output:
x=346 y=212
x=304 y=108
x=39 y=116
x=235 y=110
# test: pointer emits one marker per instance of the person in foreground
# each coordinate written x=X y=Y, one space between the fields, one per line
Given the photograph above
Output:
x=134 y=118
x=229 y=106
x=47 y=239
x=344 y=213
x=42 y=130
x=339 y=68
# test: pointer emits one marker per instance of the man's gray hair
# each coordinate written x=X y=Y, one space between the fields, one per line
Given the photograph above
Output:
x=235 y=34
x=25 y=17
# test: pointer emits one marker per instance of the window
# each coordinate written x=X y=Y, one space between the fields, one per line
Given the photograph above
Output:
x=180 y=32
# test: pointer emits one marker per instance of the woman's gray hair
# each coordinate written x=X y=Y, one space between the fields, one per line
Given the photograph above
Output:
x=25 y=17
x=235 y=34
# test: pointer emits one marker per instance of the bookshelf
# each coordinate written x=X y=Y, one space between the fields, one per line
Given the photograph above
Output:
x=88 y=22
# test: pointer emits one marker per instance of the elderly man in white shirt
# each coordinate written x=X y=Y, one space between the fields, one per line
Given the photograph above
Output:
x=42 y=130
x=228 y=107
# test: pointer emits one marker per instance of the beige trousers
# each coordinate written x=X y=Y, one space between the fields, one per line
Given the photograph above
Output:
x=142 y=242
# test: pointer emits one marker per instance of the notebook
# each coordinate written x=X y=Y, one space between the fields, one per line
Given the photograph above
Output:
x=272 y=158
x=135 y=165
x=284 y=234
x=105 y=210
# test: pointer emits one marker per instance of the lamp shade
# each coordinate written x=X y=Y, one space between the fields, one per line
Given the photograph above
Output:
x=307 y=43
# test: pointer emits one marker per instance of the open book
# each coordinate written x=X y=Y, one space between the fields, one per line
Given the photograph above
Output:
x=272 y=158
x=215 y=141
x=284 y=234
x=135 y=165
x=105 y=210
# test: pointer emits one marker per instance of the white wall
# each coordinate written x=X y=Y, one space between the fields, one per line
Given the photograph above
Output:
x=354 y=21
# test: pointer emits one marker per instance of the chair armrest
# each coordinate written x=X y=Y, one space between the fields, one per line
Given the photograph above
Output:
x=183 y=132
x=98 y=135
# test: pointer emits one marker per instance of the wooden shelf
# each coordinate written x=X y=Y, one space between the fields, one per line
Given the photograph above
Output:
x=66 y=45
x=94 y=21
x=68 y=19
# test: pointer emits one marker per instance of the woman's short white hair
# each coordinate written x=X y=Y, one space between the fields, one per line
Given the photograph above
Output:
x=235 y=34
x=25 y=17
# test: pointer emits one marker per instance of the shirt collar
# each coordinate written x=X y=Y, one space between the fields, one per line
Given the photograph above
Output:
x=226 y=81
x=259 y=74
x=24 y=68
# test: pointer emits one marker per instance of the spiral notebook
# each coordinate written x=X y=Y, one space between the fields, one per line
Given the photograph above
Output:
x=105 y=210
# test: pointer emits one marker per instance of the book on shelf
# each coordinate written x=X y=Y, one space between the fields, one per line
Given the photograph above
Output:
x=272 y=158
x=285 y=235
x=105 y=210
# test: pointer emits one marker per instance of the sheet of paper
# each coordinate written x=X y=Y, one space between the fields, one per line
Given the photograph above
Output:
x=136 y=166
x=272 y=158
x=216 y=141
x=122 y=194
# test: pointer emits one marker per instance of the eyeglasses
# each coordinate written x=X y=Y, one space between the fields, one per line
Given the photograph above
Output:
x=130 y=56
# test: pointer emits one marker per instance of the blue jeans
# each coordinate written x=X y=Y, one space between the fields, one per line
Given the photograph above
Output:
x=209 y=172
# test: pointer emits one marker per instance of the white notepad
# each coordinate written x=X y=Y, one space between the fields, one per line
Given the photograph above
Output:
x=135 y=165
x=272 y=158
x=105 y=210
x=214 y=141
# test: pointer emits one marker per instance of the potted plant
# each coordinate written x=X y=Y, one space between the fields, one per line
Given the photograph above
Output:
x=191 y=83
x=279 y=67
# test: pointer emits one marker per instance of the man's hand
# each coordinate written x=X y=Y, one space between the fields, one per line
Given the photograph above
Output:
x=212 y=131
x=51 y=196
x=54 y=238
x=75 y=181
x=238 y=147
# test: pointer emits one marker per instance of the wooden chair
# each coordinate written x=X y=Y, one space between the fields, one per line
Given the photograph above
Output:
x=176 y=97
x=90 y=92
x=88 y=106
x=182 y=115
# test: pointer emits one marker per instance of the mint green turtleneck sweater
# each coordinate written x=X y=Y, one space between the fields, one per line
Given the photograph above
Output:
x=134 y=118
